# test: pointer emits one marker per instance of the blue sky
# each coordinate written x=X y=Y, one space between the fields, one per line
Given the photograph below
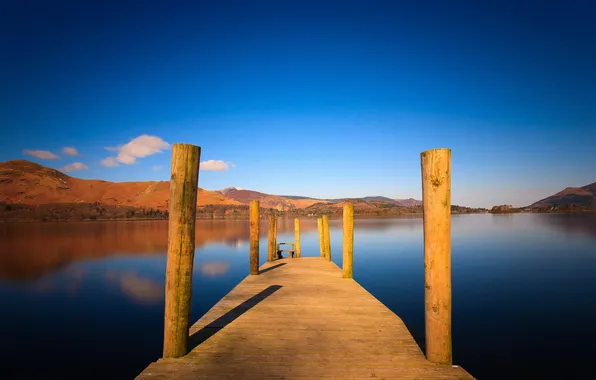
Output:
x=316 y=98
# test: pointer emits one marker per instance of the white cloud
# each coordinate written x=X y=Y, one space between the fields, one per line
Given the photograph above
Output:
x=109 y=162
x=75 y=166
x=214 y=165
x=157 y=167
x=42 y=154
x=126 y=159
x=70 y=151
x=138 y=147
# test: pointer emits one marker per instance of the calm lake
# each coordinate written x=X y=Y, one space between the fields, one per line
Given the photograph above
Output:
x=85 y=300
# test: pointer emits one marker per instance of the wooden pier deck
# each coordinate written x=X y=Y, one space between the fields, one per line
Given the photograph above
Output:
x=299 y=319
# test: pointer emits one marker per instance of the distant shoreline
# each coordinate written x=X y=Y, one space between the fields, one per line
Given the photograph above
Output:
x=281 y=216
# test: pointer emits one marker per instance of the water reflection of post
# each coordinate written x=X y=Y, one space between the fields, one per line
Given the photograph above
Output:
x=436 y=202
x=272 y=252
x=181 y=247
x=254 y=237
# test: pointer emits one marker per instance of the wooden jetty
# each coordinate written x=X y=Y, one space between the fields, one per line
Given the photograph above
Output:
x=304 y=317
x=299 y=319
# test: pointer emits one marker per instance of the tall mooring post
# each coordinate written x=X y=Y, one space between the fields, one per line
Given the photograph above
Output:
x=297 y=236
x=272 y=239
x=348 y=241
x=326 y=237
x=181 y=247
x=436 y=202
x=321 y=243
x=254 y=237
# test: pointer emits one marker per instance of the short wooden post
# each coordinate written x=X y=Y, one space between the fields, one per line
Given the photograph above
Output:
x=181 y=247
x=321 y=245
x=326 y=237
x=348 y=243
x=254 y=237
x=436 y=202
x=272 y=252
x=297 y=236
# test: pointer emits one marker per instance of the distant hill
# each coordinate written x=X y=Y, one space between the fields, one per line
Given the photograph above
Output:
x=378 y=199
x=265 y=200
x=570 y=198
x=28 y=188
x=400 y=202
x=408 y=202
x=28 y=183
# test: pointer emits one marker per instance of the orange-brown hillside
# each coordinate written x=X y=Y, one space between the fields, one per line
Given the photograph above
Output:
x=26 y=182
x=584 y=196
x=265 y=200
x=304 y=203
x=357 y=204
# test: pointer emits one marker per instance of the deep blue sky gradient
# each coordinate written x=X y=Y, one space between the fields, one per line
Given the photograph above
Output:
x=316 y=98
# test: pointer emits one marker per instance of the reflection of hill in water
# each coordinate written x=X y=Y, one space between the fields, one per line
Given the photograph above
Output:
x=582 y=223
x=30 y=250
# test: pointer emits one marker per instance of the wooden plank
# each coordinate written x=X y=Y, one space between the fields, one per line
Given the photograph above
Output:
x=191 y=370
x=301 y=320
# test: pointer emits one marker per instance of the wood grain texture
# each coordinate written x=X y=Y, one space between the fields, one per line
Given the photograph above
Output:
x=272 y=239
x=348 y=241
x=297 y=236
x=181 y=247
x=338 y=331
x=254 y=237
x=326 y=237
x=436 y=202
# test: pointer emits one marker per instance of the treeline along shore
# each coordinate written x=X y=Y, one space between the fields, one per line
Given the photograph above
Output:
x=100 y=211
x=15 y=212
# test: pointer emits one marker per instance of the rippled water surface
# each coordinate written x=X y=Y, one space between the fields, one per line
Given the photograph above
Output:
x=85 y=300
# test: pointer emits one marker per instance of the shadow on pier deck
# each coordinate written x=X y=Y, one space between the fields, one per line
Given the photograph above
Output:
x=299 y=319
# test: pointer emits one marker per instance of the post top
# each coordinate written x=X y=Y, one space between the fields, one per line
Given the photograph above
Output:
x=184 y=145
x=436 y=150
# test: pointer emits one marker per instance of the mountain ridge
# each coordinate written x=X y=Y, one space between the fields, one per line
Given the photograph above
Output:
x=29 y=183
x=584 y=196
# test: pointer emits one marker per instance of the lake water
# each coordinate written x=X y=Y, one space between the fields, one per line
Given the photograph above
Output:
x=85 y=300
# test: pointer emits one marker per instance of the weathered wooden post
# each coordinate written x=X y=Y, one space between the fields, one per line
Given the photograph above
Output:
x=181 y=247
x=297 y=236
x=320 y=228
x=272 y=252
x=326 y=237
x=436 y=202
x=254 y=237
x=348 y=243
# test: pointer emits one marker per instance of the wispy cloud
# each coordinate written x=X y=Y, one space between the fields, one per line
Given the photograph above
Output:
x=138 y=147
x=109 y=162
x=70 y=151
x=214 y=165
x=75 y=166
x=41 y=154
x=157 y=167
